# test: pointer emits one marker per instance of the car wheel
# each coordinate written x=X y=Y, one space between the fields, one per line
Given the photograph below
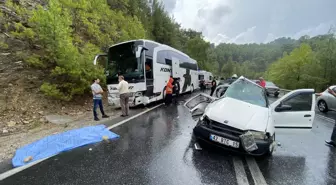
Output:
x=271 y=147
x=322 y=106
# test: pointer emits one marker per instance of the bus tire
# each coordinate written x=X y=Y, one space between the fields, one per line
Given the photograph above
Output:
x=164 y=93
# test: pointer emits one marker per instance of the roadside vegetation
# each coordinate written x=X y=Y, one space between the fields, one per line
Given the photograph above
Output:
x=63 y=36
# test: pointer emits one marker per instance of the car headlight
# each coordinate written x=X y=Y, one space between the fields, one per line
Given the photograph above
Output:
x=204 y=119
x=258 y=135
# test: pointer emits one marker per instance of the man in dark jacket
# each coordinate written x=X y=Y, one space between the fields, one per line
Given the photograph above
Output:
x=332 y=141
x=213 y=86
x=176 y=89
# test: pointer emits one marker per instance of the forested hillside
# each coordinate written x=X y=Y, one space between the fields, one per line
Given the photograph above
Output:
x=61 y=37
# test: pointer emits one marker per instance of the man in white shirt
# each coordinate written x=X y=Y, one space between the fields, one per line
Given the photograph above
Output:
x=124 y=96
x=97 y=93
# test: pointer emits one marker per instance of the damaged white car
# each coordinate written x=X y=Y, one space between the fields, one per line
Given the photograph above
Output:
x=243 y=120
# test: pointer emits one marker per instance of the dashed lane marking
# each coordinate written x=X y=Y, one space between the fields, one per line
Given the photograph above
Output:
x=325 y=118
x=240 y=171
x=257 y=176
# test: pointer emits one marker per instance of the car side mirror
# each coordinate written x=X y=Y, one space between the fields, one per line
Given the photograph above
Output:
x=281 y=108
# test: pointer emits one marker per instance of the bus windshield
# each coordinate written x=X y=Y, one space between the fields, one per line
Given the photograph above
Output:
x=122 y=61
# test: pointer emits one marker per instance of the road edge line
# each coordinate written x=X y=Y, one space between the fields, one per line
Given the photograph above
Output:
x=240 y=172
x=325 y=118
x=256 y=174
x=137 y=115
x=13 y=171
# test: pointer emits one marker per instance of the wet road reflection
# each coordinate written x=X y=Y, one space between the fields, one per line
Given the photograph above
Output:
x=156 y=148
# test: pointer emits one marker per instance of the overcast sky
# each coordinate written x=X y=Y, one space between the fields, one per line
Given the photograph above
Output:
x=246 y=21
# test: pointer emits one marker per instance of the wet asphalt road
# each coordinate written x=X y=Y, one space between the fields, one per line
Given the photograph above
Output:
x=156 y=148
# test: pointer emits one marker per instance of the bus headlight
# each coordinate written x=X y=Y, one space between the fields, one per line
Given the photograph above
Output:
x=137 y=94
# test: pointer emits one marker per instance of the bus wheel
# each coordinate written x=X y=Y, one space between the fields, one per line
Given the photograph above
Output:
x=164 y=93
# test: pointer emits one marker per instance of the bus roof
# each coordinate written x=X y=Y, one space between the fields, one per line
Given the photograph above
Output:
x=162 y=45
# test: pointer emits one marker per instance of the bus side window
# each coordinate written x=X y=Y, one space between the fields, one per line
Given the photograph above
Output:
x=161 y=56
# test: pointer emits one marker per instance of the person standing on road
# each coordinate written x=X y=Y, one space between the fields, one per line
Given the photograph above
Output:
x=213 y=86
x=97 y=93
x=262 y=82
x=176 y=89
x=169 y=91
x=124 y=96
x=332 y=141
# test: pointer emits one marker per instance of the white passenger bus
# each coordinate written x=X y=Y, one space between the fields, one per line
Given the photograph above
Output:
x=146 y=66
x=206 y=76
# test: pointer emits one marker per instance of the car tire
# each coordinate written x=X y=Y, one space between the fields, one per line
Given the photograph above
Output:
x=322 y=106
x=269 y=152
x=276 y=95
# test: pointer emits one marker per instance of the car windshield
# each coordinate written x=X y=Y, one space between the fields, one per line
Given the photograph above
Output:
x=246 y=91
x=270 y=84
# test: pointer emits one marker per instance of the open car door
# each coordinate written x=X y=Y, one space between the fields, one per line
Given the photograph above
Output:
x=175 y=67
x=198 y=104
x=295 y=110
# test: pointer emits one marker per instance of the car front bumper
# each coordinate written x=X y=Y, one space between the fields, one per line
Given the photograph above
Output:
x=202 y=132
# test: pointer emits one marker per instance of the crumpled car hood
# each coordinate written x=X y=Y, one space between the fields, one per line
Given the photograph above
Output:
x=238 y=114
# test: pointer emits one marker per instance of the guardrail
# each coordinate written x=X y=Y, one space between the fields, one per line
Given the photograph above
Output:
x=284 y=91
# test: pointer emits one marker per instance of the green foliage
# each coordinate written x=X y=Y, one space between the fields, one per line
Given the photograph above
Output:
x=21 y=32
x=3 y=45
x=306 y=68
x=70 y=33
x=34 y=60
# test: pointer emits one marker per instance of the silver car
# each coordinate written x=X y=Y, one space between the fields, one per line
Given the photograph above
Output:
x=326 y=101
x=271 y=88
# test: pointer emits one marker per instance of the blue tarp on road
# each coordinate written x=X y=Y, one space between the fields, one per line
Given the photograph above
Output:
x=54 y=144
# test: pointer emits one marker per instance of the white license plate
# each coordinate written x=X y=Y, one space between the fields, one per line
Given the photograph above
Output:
x=224 y=141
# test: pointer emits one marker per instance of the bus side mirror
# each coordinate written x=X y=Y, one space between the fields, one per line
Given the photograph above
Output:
x=139 y=49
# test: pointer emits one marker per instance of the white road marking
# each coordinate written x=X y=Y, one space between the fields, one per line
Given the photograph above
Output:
x=325 y=118
x=128 y=119
x=257 y=176
x=18 y=169
x=240 y=171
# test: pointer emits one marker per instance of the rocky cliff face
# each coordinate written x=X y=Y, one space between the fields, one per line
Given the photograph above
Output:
x=22 y=106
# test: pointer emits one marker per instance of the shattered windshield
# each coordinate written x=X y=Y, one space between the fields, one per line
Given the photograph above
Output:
x=247 y=92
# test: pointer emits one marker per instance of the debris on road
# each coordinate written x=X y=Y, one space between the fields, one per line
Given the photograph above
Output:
x=197 y=146
x=27 y=159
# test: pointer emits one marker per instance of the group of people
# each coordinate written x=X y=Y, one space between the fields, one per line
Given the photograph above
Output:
x=172 y=87
x=97 y=93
